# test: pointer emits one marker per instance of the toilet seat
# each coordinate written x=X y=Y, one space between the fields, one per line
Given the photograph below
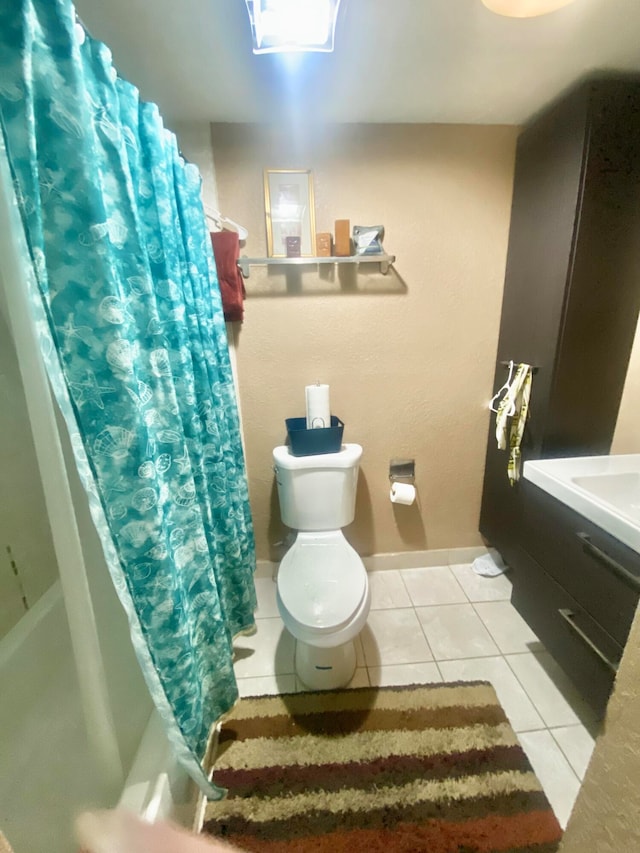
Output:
x=321 y=583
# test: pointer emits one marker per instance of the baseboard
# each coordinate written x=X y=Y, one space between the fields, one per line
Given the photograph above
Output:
x=422 y=559
x=399 y=560
x=266 y=569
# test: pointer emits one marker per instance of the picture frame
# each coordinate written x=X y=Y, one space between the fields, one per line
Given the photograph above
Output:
x=289 y=211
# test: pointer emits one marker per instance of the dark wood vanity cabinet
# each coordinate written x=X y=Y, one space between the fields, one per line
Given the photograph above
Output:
x=570 y=308
x=598 y=571
x=577 y=587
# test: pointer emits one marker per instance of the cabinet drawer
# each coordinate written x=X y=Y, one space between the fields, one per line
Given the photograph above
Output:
x=588 y=654
x=602 y=574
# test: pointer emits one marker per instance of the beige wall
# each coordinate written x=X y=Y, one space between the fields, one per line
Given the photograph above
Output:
x=28 y=564
x=409 y=357
x=605 y=817
x=626 y=438
x=194 y=141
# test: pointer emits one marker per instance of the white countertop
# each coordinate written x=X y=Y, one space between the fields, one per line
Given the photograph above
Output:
x=605 y=489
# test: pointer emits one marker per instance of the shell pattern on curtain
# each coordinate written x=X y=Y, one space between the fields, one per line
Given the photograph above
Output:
x=125 y=295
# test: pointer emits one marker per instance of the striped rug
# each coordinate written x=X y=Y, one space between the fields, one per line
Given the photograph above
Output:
x=432 y=768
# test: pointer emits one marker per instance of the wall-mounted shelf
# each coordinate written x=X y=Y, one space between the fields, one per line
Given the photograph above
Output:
x=385 y=261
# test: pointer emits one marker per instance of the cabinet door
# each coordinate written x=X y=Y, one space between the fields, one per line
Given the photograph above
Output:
x=547 y=187
x=602 y=574
x=603 y=293
x=588 y=655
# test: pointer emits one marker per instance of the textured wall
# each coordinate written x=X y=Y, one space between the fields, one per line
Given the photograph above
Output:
x=409 y=357
x=24 y=524
x=605 y=817
x=627 y=435
x=194 y=140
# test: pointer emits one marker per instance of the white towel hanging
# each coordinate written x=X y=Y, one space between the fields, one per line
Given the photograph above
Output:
x=494 y=405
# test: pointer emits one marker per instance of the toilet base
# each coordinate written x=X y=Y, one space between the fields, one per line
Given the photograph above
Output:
x=325 y=669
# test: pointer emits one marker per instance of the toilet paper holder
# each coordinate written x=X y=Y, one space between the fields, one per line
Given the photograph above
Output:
x=402 y=471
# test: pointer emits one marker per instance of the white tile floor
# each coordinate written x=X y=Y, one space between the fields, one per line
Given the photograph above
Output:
x=447 y=623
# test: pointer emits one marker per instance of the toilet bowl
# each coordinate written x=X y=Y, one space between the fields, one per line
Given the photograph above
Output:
x=322 y=587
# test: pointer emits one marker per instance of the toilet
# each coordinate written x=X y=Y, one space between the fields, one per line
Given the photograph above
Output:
x=322 y=588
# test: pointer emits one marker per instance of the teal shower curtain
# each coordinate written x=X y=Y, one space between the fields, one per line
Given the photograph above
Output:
x=123 y=288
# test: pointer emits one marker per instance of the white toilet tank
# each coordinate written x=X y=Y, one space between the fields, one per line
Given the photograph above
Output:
x=317 y=492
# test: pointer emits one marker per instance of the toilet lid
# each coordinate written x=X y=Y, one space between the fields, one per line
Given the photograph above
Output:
x=322 y=585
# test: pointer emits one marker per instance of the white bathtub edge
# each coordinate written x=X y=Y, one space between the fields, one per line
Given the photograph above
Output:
x=157 y=788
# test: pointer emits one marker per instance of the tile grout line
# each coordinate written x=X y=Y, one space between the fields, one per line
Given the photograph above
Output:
x=503 y=657
x=426 y=639
x=448 y=604
x=448 y=566
x=555 y=742
x=547 y=725
x=405 y=587
x=500 y=654
x=546 y=728
x=541 y=715
x=563 y=751
x=486 y=627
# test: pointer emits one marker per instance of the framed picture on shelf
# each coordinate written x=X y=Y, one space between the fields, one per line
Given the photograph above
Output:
x=289 y=210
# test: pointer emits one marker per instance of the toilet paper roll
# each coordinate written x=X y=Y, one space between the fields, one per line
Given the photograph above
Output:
x=402 y=493
x=318 y=406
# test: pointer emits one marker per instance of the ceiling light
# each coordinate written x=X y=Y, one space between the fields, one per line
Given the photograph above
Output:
x=280 y=26
x=524 y=8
